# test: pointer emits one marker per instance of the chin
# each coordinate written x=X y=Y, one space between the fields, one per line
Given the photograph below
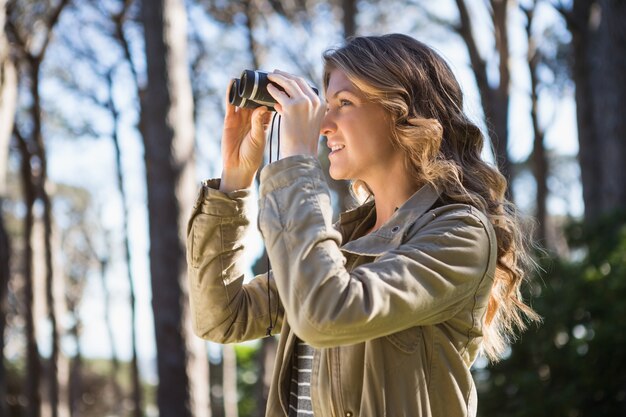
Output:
x=336 y=175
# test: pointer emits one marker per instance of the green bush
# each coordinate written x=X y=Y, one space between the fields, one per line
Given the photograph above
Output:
x=574 y=363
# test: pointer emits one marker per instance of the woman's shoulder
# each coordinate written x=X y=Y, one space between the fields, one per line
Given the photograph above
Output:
x=455 y=236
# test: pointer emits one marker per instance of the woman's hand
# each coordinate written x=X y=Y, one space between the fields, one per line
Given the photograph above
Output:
x=243 y=143
x=302 y=112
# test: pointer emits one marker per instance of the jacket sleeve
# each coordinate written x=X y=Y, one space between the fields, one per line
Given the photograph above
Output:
x=425 y=280
x=223 y=308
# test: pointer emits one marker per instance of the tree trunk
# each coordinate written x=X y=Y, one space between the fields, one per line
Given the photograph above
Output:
x=500 y=102
x=5 y=251
x=41 y=179
x=229 y=369
x=134 y=367
x=167 y=128
x=118 y=20
x=539 y=159
x=216 y=374
x=33 y=364
x=494 y=98
x=266 y=356
x=115 y=361
x=73 y=296
x=599 y=40
x=588 y=145
x=61 y=310
x=252 y=45
x=4 y=286
x=540 y=171
x=34 y=177
x=349 y=17
x=8 y=100
x=76 y=372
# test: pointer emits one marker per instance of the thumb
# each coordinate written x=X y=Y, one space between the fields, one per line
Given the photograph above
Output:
x=260 y=119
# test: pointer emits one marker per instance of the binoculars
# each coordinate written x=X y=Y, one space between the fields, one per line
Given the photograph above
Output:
x=250 y=90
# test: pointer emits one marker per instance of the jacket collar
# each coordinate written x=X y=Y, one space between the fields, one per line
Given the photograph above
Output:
x=391 y=233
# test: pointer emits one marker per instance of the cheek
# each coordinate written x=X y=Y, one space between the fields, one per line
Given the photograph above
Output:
x=380 y=138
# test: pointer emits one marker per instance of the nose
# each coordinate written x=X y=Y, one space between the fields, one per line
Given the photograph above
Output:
x=328 y=126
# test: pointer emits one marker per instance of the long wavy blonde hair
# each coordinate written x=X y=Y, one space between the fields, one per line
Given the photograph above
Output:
x=443 y=147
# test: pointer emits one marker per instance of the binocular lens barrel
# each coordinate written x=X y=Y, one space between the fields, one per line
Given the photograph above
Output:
x=236 y=99
x=250 y=91
x=253 y=85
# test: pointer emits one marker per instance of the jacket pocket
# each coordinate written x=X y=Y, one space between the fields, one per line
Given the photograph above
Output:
x=204 y=235
x=406 y=340
x=192 y=248
x=189 y=244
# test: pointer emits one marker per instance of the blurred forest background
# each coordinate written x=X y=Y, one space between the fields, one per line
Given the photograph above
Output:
x=110 y=113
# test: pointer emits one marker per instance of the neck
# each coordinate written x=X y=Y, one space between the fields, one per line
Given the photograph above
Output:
x=388 y=197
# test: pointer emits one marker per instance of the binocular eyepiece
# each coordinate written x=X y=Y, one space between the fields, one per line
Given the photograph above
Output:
x=250 y=90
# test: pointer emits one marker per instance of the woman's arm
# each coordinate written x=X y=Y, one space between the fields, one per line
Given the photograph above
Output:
x=224 y=309
x=425 y=280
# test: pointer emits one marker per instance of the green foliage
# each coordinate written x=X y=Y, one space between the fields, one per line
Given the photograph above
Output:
x=574 y=363
x=247 y=376
x=14 y=374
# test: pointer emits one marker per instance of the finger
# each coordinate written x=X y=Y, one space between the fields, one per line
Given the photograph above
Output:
x=230 y=109
x=243 y=111
x=295 y=78
x=307 y=90
x=280 y=96
x=303 y=85
x=290 y=86
x=266 y=117
x=298 y=80
x=259 y=118
x=258 y=113
x=284 y=74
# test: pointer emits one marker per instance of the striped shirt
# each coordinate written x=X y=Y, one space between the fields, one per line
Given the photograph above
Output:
x=300 y=389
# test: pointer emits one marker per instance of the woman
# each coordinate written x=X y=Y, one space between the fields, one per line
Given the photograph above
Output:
x=384 y=313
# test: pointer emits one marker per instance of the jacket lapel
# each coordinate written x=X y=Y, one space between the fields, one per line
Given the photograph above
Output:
x=391 y=234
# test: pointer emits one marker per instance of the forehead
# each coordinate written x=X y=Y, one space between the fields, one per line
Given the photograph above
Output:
x=338 y=81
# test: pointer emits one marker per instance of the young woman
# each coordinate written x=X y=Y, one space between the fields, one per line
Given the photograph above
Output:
x=384 y=313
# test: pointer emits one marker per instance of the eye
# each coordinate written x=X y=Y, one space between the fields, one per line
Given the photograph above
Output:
x=344 y=102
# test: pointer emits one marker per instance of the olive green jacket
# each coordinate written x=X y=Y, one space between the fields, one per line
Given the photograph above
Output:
x=396 y=315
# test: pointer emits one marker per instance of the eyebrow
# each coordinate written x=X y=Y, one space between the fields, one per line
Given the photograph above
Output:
x=343 y=90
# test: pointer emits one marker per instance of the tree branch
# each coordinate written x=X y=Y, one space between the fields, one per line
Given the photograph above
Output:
x=119 y=19
x=52 y=21
x=476 y=61
x=445 y=23
x=502 y=43
x=14 y=34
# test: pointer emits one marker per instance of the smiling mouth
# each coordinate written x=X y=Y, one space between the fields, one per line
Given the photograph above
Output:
x=336 y=149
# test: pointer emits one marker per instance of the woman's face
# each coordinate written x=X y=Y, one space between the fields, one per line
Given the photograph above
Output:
x=358 y=133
